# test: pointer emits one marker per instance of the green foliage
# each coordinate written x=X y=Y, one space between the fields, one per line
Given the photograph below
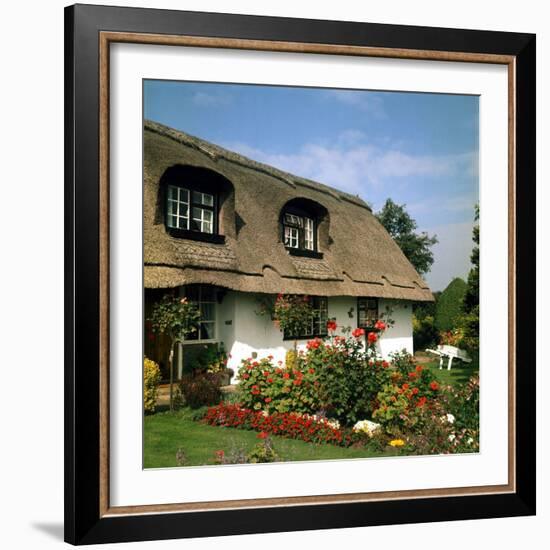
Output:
x=449 y=305
x=200 y=390
x=471 y=297
x=151 y=381
x=291 y=359
x=175 y=317
x=293 y=314
x=337 y=377
x=468 y=322
x=263 y=452
x=402 y=228
x=425 y=334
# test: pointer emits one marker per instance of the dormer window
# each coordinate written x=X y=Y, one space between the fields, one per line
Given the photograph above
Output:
x=299 y=232
x=190 y=210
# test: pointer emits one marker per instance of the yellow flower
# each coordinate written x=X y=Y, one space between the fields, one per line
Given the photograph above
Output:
x=397 y=443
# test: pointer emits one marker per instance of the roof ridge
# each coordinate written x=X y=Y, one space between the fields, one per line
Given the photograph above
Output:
x=216 y=151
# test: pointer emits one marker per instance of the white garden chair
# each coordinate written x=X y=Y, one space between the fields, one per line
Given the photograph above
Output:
x=450 y=353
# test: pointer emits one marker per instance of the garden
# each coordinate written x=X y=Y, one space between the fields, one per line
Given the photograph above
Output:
x=334 y=399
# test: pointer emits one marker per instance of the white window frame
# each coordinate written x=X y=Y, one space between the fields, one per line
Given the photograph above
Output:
x=198 y=303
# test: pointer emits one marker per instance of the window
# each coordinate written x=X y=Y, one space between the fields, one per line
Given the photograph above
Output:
x=182 y=201
x=299 y=231
x=204 y=298
x=319 y=320
x=367 y=312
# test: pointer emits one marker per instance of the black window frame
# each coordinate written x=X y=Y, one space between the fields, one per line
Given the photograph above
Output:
x=190 y=233
x=359 y=308
x=301 y=250
x=287 y=337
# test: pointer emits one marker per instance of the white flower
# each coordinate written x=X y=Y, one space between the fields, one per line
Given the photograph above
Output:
x=366 y=426
x=450 y=419
x=452 y=437
x=470 y=440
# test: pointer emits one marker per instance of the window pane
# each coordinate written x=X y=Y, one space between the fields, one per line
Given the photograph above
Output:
x=203 y=198
x=308 y=234
x=207 y=331
x=195 y=225
x=291 y=237
x=208 y=311
x=183 y=195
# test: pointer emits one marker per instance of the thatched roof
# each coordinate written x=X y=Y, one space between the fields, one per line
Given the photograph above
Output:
x=359 y=257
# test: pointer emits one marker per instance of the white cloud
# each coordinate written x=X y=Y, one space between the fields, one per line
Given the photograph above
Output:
x=204 y=99
x=371 y=104
x=354 y=166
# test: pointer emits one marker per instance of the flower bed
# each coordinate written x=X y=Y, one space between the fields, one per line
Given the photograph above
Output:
x=290 y=425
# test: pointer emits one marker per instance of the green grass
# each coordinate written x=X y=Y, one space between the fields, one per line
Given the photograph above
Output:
x=459 y=374
x=165 y=433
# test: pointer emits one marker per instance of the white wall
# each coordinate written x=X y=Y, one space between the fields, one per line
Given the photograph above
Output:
x=250 y=332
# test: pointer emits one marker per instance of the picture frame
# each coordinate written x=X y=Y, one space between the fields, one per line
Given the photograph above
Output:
x=89 y=33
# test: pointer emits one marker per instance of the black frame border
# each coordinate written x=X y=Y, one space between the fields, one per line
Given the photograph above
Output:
x=83 y=524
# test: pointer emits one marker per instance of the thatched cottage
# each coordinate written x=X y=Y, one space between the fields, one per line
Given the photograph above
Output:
x=227 y=232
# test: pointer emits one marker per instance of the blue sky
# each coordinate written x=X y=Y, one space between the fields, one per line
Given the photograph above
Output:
x=418 y=149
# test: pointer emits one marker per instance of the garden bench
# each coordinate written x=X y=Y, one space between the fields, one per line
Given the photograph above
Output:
x=450 y=353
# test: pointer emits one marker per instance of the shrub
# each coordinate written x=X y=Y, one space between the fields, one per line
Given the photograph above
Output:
x=151 y=381
x=263 y=452
x=404 y=403
x=449 y=305
x=425 y=334
x=336 y=377
x=200 y=390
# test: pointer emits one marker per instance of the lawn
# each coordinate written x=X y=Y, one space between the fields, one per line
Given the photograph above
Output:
x=459 y=374
x=165 y=433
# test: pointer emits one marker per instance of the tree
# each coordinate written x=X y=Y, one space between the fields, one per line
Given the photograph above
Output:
x=471 y=298
x=402 y=228
x=293 y=315
x=469 y=320
x=176 y=318
x=449 y=305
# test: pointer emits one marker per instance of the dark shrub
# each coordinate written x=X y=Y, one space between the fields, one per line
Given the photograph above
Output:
x=201 y=390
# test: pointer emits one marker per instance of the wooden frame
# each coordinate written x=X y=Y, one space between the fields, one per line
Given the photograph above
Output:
x=89 y=518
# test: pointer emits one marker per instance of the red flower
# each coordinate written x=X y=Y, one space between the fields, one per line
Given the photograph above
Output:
x=385 y=364
x=419 y=368
x=245 y=376
x=267 y=399
x=262 y=435
x=380 y=325
x=331 y=325
x=297 y=382
x=266 y=373
x=405 y=386
x=415 y=391
x=286 y=375
x=412 y=375
x=270 y=380
x=421 y=402
x=358 y=332
x=371 y=337
x=311 y=371
x=313 y=344
x=434 y=385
